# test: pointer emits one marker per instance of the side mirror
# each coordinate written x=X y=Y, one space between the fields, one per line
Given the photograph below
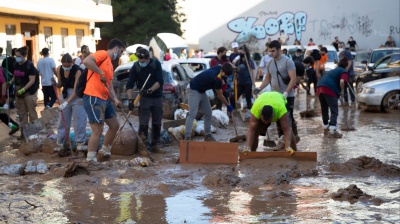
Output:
x=369 y=68
x=364 y=62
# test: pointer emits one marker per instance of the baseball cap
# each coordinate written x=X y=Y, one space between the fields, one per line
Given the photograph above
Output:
x=235 y=45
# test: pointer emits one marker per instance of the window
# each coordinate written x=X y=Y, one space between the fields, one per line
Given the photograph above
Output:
x=48 y=38
x=64 y=39
x=79 y=37
x=10 y=38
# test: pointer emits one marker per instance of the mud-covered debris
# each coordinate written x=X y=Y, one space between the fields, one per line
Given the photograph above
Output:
x=140 y=161
x=13 y=169
x=366 y=164
x=221 y=179
x=354 y=194
x=27 y=148
x=76 y=169
x=35 y=167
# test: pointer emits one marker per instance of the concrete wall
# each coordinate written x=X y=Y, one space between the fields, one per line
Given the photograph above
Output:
x=369 y=22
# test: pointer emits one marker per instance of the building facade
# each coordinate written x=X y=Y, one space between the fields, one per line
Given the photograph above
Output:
x=63 y=26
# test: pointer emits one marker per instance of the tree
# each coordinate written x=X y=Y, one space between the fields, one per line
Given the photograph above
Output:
x=136 y=21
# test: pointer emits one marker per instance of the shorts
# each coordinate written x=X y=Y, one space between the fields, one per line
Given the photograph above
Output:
x=98 y=110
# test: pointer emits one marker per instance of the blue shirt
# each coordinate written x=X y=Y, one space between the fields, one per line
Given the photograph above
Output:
x=347 y=54
x=206 y=80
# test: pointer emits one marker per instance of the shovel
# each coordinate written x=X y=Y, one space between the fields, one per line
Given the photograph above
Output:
x=238 y=137
x=269 y=142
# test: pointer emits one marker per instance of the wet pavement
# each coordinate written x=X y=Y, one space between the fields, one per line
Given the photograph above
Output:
x=253 y=191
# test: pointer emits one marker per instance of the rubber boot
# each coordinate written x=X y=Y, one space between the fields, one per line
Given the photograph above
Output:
x=155 y=142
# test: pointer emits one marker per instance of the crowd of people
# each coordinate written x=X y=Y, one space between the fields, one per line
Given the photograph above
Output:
x=19 y=82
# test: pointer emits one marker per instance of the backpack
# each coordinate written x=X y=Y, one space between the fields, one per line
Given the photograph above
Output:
x=35 y=86
x=81 y=84
x=153 y=65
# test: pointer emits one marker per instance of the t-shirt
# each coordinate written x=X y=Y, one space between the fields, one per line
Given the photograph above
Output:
x=78 y=60
x=273 y=99
x=347 y=54
x=284 y=65
x=215 y=61
x=208 y=79
x=322 y=61
x=352 y=43
x=264 y=62
x=45 y=67
x=94 y=87
x=326 y=90
x=21 y=76
x=232 y=56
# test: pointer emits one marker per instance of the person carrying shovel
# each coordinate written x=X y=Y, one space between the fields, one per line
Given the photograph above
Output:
x=267 y=108
x=4 y=117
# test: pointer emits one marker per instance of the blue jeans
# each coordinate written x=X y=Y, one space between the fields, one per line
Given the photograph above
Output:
x=346 y=90
x=73 y=111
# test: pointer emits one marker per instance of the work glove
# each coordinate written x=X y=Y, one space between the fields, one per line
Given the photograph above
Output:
x=3 y=99
x=21 y=91
x=131 y=106
x=256 y=91
x=146 y=92
x=285 y=95
x=290 y=150
x=229 y=108
x=6 y=107
x=246 y=149
x=63 y=106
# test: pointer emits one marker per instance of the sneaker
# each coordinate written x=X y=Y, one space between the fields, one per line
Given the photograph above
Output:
x=47 y=107
x=209 y=138
x=333 y=133
x=326 y=128
x=105 y=151
x=91 y=157
x=14 y=129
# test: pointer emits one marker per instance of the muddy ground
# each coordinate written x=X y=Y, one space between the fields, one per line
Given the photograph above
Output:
x=355 y=180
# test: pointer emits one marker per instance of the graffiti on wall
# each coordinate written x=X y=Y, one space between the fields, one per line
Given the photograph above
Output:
x=394 y=30
x=353 y=24
x=288 y=22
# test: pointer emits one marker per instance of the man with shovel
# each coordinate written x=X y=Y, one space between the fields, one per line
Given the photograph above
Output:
x=269 y=107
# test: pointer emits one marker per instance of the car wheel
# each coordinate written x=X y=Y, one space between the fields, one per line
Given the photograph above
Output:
x=391 y=102
x=359 y=86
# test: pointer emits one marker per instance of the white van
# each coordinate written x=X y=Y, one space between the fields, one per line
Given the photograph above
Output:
x=162 y=41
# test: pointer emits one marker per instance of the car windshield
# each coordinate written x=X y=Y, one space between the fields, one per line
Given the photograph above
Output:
x=188 y=69
x=362 y=56
x=376 y=55
x=332 y=56
x=167 y=76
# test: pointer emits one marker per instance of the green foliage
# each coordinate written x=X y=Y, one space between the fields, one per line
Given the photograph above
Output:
x=136 y=21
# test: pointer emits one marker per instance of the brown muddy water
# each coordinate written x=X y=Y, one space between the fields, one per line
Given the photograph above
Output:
x=355 y=180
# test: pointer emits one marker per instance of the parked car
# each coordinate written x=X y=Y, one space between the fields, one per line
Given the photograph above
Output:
x=197 y=65
x=378 y=54
x=384 y=67
x=174 y=87
x=333 y=57
x=361 y=56
x=162 y=41
x=292 y=48
x=382 y=94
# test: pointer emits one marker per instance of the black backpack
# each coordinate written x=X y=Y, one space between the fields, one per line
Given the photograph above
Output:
x=35 y=86
x=81 y=84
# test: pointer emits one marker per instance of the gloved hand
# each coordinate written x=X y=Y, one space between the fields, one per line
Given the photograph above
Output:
x=6 y=107
x=229 y=108
x=63 y=106
x=3 y=99
x=146 y=92
x=256 y=91
x=285 y=94
x=21 y=91
x=131 y=106
x=290 y=150
x=246 y=149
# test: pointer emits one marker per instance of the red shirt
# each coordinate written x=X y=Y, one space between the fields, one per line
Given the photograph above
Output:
x=215 y=61
x=329 y=92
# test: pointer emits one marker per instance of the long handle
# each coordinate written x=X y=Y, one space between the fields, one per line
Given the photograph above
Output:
x=140 y=93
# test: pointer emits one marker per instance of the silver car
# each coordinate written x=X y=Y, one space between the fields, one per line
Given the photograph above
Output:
x=381 y=95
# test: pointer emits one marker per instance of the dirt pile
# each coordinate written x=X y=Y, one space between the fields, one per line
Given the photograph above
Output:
x=227 y=178
x=364 y=166
x=354 y=194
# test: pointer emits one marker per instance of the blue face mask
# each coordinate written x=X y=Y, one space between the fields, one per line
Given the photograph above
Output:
x=115 y=55
x=142 y=64
x=67 y=68
x=19 y=59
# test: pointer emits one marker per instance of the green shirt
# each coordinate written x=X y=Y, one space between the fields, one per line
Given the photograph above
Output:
x=273 y=99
